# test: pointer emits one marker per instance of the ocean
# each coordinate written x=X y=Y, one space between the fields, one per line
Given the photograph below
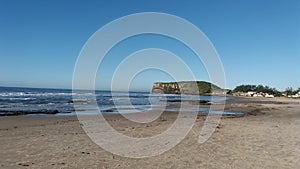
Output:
x=60 y=102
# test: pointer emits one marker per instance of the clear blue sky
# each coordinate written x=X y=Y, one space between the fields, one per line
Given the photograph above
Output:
x=258 y=41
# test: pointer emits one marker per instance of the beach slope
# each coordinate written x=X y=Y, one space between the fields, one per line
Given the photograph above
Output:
x=267 y=137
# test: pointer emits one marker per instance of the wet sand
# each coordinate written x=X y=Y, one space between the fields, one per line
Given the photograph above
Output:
x=268 y=136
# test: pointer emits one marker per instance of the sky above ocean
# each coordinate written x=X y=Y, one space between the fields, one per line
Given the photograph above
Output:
x=257 y=41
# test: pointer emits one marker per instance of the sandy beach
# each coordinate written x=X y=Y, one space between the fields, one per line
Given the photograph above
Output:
x=267 y=137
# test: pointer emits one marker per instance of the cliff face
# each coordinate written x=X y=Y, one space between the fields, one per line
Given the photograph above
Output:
x=167 y=88
x=186 y=87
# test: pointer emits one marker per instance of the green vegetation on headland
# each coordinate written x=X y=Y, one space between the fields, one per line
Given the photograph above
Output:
x=289 y=92
x=187 y=87
x=207 y=88
x=257 y=89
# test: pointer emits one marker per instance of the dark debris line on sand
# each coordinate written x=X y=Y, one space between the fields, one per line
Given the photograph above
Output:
x=26 y=112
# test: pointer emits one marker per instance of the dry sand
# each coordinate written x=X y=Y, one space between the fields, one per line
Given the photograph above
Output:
x=268 y=137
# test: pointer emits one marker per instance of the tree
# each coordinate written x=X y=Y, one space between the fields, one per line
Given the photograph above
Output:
x=260 y=88
x=244 y=88
x=229 y=91
x=298 y=90
x=289 y=91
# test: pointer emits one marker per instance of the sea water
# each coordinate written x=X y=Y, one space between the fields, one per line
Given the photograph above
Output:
x=63 y=100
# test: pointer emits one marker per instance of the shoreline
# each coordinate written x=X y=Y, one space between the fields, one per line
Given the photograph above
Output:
x=57 y=113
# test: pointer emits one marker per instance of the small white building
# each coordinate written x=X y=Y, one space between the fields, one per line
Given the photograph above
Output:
x=269 y=95
x=296 y=95
x=250 y=93
x=258 y=95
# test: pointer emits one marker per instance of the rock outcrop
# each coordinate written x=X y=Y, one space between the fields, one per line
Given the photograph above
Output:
x=187 y=87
